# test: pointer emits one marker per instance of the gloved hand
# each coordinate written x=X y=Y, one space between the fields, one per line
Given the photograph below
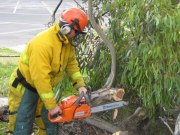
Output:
x=56 y=111
x=82 y=89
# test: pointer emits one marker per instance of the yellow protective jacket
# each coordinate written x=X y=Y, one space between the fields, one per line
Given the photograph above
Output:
x=44 y=62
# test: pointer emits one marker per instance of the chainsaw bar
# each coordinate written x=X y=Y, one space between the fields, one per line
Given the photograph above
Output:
x=109 y=106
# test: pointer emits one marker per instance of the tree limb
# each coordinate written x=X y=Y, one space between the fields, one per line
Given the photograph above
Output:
x=100 y=32
x=167 y=125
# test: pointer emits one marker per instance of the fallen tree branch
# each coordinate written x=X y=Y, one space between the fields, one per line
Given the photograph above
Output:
x=97 y=122
x=100 y=96
x=167 y=125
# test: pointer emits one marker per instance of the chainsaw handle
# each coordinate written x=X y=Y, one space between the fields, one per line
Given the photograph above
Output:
x=80 y=97
x=87 y=99
x=89 y=90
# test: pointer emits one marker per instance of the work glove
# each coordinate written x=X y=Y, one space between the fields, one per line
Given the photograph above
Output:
x=56 y=112
x=82 y=89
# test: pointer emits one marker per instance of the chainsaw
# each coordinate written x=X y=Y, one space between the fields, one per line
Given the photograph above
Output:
x=74 y=107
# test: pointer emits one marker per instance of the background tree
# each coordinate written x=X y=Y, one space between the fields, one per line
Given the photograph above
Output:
x=146 y=37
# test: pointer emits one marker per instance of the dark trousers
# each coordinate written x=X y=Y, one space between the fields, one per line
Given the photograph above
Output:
x=26 y=115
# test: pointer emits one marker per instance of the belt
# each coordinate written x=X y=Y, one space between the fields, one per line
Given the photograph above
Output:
x=22 y=80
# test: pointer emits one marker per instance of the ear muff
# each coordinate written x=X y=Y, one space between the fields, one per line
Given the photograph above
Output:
x=65 y=29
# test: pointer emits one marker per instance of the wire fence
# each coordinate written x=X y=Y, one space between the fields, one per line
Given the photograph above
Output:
x=7 y=56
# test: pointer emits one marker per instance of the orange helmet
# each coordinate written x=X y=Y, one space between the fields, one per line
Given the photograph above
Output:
x=74 y=14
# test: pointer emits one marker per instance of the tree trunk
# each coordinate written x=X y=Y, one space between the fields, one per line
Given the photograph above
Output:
x=107 y=42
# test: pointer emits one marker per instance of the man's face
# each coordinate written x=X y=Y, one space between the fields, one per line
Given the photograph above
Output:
x=71 y=34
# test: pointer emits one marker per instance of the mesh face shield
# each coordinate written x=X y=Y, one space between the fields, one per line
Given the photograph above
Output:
x=79 y=35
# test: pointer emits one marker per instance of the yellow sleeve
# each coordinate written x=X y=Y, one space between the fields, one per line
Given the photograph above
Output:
x=39 y=65
x=73 y=70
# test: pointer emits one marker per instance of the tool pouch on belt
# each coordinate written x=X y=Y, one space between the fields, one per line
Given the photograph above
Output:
x=22 y=80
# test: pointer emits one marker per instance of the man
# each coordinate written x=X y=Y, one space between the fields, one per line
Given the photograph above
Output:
x=40 y=68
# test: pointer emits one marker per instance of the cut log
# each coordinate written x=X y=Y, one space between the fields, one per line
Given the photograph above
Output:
x=102 y=95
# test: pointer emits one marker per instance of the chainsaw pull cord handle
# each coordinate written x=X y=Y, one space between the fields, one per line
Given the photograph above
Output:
x=80 y=97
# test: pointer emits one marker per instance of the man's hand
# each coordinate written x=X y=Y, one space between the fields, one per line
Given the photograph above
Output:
x=56 y=110
x=82 y=89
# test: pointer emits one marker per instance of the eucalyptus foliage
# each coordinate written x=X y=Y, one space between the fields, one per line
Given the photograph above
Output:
x=146 y=37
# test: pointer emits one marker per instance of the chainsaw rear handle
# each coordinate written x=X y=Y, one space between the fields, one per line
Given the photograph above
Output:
x=80 y=97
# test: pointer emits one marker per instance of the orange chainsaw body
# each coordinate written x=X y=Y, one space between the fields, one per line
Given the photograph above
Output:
x=72 y=111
